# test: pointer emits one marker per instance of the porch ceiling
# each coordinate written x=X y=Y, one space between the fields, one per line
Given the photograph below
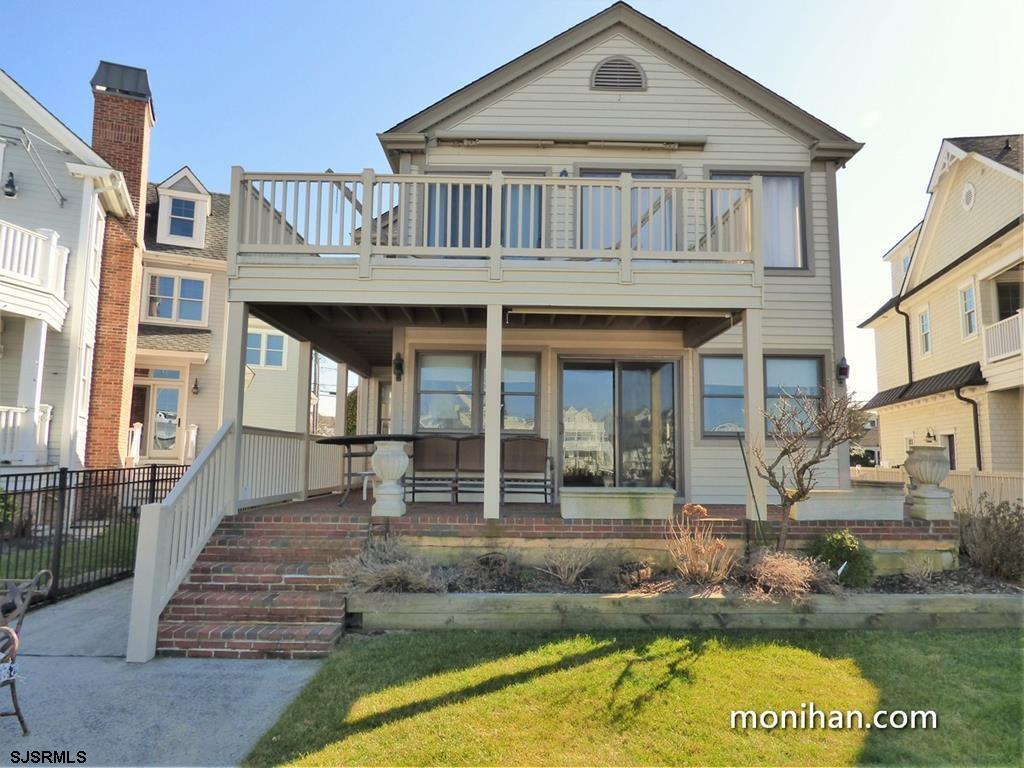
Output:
x=361 y=334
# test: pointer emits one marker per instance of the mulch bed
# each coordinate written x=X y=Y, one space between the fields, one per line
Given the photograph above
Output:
x=967 y=579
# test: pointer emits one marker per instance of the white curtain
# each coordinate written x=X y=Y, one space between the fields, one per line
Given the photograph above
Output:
x=783 y=203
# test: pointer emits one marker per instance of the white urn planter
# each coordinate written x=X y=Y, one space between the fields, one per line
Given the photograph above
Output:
x=928 y=465
x=389 y=462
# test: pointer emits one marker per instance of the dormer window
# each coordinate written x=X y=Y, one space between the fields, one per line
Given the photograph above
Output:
x=184 y=206
x=183 y=217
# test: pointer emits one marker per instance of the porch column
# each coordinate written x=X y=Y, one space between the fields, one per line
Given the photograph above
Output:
x=753 y=401
x=492 y=414
x=233 y=402
x=302 y=413
x=341 y=399
x=30 y=391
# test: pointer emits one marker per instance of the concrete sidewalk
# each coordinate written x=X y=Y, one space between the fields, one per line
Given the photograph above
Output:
x=78 y=693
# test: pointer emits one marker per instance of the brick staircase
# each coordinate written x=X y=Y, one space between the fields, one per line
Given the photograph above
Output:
x=262 y=587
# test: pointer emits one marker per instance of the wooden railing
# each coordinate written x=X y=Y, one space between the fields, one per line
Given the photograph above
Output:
x=273 y=466
x=496 y=217
x=1003 y=339
x=966 y=484
x=24 y=434
x=33 y=258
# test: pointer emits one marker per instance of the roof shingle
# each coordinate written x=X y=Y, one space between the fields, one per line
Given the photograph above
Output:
x=167 y=338
x=1003 y=148
x=216 y=228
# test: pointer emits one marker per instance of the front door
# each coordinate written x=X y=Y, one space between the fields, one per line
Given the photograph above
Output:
x=158 y=402
x=619 y=423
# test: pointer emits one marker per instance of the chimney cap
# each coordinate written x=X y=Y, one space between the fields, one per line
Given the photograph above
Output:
x=130 y=82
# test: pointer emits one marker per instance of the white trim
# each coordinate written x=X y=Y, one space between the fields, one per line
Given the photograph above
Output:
x=162 y=260
x=110 y=184
x=184 y=173
x=921 y=351
x=144 y=315
x=962 y=289
x=163 y=226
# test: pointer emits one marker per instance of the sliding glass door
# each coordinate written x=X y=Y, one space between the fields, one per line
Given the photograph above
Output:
x=618 y=423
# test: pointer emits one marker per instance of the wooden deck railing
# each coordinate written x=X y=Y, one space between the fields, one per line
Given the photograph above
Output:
x=1003 y=339
x=33 y=258
x=496 y=217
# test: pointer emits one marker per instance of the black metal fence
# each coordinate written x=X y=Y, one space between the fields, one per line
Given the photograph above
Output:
x=82 y=525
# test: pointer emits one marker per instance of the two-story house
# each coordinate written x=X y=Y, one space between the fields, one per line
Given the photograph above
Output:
x=157 y=389
x=57 y=198
x=948 y=341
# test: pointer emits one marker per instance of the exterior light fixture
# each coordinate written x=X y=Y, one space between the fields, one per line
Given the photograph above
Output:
x=10 y=188
x=930 y=436
x=563 y=173
x=842 y=370
x=398 y=367
x=195 y=387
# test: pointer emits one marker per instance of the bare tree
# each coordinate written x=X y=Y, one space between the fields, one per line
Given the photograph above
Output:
x=805 y=430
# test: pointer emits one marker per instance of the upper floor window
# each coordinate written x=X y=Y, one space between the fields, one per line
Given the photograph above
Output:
x=174 y=297
x=264 y=349
x=183 y=217
x=784 y=246
x=1008 y=301
x=906 y=263
x=925 y=329
x=618 y=73
x=969 y=312
x=96 y=256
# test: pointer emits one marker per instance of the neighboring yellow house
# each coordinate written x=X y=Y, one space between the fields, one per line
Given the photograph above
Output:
x=948 y=342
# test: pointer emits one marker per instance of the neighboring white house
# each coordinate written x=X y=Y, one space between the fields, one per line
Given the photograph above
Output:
x=179 y=373
x=55 y=198
x=614 y=224
x=948 y=341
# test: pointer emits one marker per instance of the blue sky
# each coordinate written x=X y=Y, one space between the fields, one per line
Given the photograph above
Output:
x=307 y=85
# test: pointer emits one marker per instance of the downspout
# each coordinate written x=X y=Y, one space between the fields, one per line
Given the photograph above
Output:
x=910 y=357
x=977 y=424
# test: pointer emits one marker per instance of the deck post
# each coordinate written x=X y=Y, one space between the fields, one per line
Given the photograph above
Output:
x=753 y=411
x=302 y=415
x=494 y=249
x=233 y=403
x=492 y=414
x=366 y=217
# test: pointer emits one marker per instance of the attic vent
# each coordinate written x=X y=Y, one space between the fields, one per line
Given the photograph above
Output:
x=967 y=196
x=618 y=74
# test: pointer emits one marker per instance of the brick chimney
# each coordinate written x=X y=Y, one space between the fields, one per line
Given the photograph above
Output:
x=122 y=120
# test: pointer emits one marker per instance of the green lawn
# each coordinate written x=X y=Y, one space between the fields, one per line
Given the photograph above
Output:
x=651 y=698
x=113 y=548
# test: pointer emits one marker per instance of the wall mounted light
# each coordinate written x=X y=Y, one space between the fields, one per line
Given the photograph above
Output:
x=195 y=387
x=10 y=188
x=842 y=370
x=398 y=367
x=930 y=436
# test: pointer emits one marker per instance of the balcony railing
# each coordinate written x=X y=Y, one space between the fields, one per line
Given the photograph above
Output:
x=32 y=259
x=497 y=218
x=1003 y=339
x=24 y=435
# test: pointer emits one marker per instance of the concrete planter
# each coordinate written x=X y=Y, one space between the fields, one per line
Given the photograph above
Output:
x=617 y=503
x=928 y=465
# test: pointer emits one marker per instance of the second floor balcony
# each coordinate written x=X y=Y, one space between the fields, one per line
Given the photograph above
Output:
x=33 y=268
x=620 y=229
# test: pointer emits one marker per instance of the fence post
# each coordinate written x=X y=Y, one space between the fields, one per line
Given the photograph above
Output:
x=57 y=531
x=151 y=495
x=152 y=565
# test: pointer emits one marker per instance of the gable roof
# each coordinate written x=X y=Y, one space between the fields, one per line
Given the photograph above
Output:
x=825 y=141
x=184 y=173
x=216 y=246
x=1002 y=148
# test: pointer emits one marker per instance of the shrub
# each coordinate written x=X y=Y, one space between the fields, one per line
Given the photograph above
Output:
x=992 y=535
x=843 y=547
x=698 y=556
x=781 y=574
x=492 y=572
x=385 y=565
x=568 y=565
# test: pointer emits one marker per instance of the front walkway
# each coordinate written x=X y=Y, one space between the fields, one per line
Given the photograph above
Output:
x=78 y=693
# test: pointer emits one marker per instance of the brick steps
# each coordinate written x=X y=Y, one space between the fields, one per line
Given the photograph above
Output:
x=263 y=588
x=247 y=640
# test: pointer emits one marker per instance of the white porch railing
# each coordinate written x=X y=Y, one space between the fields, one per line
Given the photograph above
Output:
x=966 y=484
x=24 y=434
x=174 y=532
x=1003 y=339
x=33 y=258
x=495 y=217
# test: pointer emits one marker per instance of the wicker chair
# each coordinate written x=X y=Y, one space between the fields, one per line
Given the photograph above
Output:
x=527 y=458
x=470 y=474
x=14 y=603
x=433 y=466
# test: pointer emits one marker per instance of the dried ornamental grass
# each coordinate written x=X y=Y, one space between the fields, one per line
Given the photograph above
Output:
x=568 y=565
x=699 y=556
x=385 y=565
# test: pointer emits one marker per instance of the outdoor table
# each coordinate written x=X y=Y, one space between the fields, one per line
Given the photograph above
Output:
x=389 y=461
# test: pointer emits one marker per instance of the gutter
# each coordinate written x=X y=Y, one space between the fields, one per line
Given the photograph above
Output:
x=906 y=328
x=977 y=424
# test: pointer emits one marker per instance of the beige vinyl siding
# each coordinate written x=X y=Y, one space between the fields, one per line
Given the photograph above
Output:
x=272 y=400
x=35 y=208
x=955 y=230
x=942 y=414
x=890 y=351
x=1006 y=425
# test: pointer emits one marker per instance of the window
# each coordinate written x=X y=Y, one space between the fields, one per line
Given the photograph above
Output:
x=783 y=218
x=906 y=263
x=925 y=326
x=1008 y=299
x=650 y=207
x=722 y=387
x=969 y=311
x=183 y=217
x=450 y=392
x=384 y=408
x=96 y=257
x=176 y=298
x=265 y=350
x=86 y=380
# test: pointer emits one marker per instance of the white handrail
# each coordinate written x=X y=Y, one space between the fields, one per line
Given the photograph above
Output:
x=33 y=258
x=1003 y=339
